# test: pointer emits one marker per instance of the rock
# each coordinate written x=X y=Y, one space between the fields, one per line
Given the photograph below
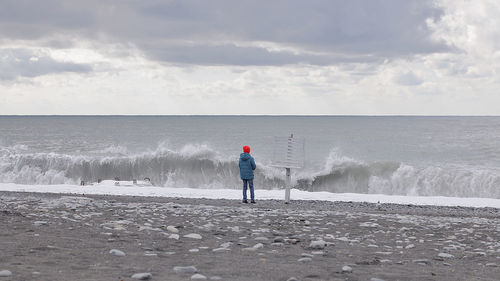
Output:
x=5 y=273
x=305 y=260
x=198 y=277
x=174 y=236
x=279 y=240
x=491 y=264
x=142 y=276
x=172 y=228
x=446 y=256
x=117 y=253
x=376 y=279
x=194 y=250
x=218 y=250
x=411 y=246
x=193 y=236
x=251 y=249
x=319 y=245
x=292 y=279
x=215 y=278
x=346 y=269
x=258 y=246
x=40 y=223
x=422 y=261
x=185 y=269
x=261 y=238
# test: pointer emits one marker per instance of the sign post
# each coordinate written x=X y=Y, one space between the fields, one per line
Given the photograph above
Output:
x=288 y=154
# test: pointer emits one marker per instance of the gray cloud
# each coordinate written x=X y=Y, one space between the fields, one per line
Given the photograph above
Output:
x=26 y=63
x=327 y=32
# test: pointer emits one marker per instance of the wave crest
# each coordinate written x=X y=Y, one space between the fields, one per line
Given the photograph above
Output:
x=199 y=166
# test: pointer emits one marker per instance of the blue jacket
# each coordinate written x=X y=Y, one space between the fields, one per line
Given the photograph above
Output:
x=247 y=165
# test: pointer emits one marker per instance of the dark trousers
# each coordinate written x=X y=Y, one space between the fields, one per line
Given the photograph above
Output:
x=250 y=183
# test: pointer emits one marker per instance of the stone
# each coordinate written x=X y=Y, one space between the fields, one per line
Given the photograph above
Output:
x=305 y=260
x=319 y=244
x=117 y=253
x=193 y=236
x=292 y=279
x=5 y=273
x=376 y=279
x=174 y=236
x=258 y=246
x=446 y=256
x=422 y=261
x=142 y=276
x=40 y=223
x=215 y=278
x=218 y=250
x=346 y=269
x=198 y=277
x=185 y=269
x=172 y=228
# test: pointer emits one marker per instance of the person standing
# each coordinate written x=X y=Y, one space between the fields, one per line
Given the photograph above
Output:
x=247 y=166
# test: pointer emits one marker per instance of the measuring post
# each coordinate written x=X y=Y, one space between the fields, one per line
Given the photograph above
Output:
x=288 y=153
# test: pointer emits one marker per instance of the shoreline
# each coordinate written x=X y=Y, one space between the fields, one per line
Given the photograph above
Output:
x=67 y=236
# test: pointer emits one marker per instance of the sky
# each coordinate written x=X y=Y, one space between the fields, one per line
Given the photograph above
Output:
x=282 y=57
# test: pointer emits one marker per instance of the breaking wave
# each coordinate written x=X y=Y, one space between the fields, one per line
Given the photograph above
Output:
x=199 y=166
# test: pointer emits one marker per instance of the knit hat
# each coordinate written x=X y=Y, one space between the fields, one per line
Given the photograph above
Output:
x=246 y=149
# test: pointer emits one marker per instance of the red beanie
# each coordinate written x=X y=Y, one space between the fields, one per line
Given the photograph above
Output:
x=246 y=149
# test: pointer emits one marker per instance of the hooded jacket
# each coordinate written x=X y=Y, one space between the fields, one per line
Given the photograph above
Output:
x=247 y=165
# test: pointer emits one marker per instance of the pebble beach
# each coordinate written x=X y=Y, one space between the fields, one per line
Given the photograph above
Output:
x=101 y=237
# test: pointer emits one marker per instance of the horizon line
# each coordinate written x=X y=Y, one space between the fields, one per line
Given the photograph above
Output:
x=237 y=115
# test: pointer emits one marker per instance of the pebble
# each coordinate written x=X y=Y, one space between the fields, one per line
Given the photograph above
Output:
x=376 y=279
x=193 y=236
x=346 y=269
x=194 y=250
x=198 y=277
x=174 y=236
x=39 y=223
x=142 y=276
x=215 y=278
x=117 y=253
x=305 y=260
x=292 y=279
x=172 y=228
x=5 y=273
x=320 y=244
x=422 y=261
x=446 y=256
x=258 y=246
x=218 y=250
x=491 y=264
x=261 y=238
x=185 y=269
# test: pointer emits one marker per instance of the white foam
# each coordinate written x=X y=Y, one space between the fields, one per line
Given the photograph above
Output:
x=108 y=188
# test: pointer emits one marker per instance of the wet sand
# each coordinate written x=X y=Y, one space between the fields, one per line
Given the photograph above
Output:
x=69 y=237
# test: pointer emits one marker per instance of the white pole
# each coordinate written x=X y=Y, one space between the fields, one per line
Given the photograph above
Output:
x=287 y=186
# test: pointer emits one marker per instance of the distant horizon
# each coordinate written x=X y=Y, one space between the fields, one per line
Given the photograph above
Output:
x=233 y=115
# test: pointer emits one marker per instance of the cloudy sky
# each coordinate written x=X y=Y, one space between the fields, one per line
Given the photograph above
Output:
x=366 y=57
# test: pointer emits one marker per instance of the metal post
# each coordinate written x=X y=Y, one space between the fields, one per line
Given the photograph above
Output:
x=287 y=186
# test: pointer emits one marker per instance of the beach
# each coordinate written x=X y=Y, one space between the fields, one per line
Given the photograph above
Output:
x=46 y=236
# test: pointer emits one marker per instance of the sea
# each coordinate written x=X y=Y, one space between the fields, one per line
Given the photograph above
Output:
x=392 y=155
